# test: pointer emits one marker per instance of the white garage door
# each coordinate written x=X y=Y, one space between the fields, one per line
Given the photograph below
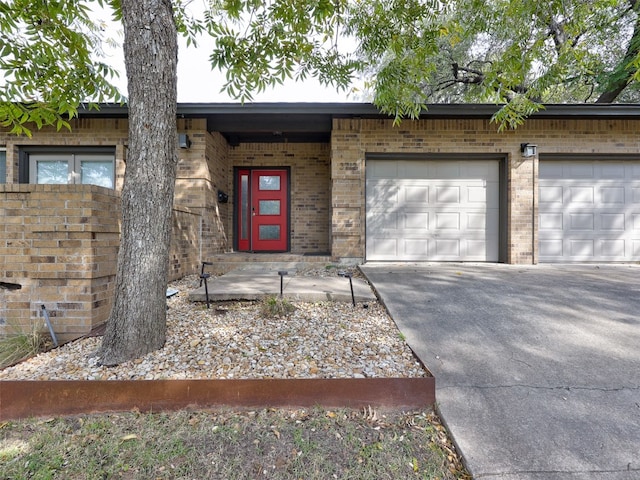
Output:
x=432 y=210
x=589 y=211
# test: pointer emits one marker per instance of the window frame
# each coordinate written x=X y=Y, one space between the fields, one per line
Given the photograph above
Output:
x=74 y=156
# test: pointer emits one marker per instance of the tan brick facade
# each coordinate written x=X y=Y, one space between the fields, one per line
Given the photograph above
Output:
x=60 y=242
x=353 y=139
x=59 y=246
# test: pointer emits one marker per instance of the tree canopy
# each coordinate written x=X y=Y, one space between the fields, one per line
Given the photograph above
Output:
x=515 y=53
x=50 y=58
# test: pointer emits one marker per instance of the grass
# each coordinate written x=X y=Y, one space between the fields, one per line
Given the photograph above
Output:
x=19 y=345
x=311 y=444
x=276 y=307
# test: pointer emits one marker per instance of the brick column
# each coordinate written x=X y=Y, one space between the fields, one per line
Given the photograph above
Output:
x=347 y=191
x=522 y=242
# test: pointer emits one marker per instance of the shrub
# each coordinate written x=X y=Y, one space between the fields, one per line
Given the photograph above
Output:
x=19 y=345
x=276 y=307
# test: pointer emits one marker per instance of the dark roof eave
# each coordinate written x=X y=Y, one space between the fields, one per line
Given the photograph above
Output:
x=367 y=110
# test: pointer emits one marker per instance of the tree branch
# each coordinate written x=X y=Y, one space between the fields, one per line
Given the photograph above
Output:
x=625 y=70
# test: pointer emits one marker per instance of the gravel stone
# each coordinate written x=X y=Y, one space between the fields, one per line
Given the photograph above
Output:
x=233 y=340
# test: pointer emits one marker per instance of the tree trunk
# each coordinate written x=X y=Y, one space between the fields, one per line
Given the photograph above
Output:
x=137 y=324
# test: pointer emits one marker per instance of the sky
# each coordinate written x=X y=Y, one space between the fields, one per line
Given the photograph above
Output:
x=198 y=83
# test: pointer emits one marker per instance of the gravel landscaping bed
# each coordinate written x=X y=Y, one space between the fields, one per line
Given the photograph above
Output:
x=236 y=340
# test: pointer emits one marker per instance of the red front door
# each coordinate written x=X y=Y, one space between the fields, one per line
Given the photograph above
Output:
x=263 y=210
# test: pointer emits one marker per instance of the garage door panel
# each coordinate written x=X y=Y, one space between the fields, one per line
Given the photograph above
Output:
x=612 y=195
x=447 y=248
x=551 y=170
x=416 y=220
x=416 y=194
x=581 y=222
x=551 y=247
x=476 y=221
x=551 y=221
x=551 y=195
x=581 y=248
x=613 y=248
x=385 y=193
x=447 y=194
x=415 y=248
x=478 y=195
x=447 y=221
x=444 y=211
x=612 y=222
x=598 y=218
x=446 y=170
x=613 y=171
x=579 y=195
x=579 y=170
x=384 y=247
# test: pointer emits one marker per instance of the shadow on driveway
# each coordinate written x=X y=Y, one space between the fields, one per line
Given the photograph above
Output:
x=537 y=367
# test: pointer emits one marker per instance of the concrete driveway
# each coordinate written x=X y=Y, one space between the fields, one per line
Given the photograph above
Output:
x=537 y=367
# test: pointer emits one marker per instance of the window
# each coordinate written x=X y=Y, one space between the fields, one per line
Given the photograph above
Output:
x=84 y=168
x=3 y=165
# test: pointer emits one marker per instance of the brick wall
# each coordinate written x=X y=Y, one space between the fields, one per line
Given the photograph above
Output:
x=184 y=256
x=59 y=244
x=310 y=187
x=202 y=170
x=218 y=216
x=86 y=132
x=352 y=139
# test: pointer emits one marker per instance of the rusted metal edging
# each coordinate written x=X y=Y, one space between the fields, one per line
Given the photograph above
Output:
x=23 y=399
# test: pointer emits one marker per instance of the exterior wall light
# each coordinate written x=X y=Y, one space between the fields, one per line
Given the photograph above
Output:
x=183 y=140
x=528 y=150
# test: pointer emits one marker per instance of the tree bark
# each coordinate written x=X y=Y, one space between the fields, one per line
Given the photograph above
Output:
x=137 y=324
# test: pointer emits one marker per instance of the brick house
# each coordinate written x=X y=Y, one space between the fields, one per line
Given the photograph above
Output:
x=319 y=179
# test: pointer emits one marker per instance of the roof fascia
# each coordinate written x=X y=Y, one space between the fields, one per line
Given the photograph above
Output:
x=367 y=110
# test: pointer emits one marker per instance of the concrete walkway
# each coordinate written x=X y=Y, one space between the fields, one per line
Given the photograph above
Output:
x=537 y=368
x=254 y=282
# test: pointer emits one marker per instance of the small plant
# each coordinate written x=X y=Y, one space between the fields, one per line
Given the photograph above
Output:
x=19 y=345
x=276 y=307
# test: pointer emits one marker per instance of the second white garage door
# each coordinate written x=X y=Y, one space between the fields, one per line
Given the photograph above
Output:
x=426 y=210
x=589 y=211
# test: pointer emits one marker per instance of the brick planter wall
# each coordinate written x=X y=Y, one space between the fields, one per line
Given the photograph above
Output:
x=59 y=244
